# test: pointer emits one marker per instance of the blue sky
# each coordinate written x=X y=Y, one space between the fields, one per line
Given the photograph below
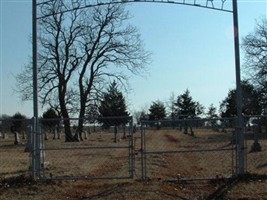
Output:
x=192 y=48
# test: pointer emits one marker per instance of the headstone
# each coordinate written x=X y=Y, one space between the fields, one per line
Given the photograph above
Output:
x=85 y=135
x=115 y=134
x=23 y=135
x=17 y=140
x=58 y=135
x=5 y=136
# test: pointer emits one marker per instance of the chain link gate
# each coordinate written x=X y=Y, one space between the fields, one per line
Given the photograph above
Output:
x=188 y=149
x=103 y=150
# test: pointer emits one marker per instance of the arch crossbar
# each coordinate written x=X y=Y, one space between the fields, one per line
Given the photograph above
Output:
x=219 y=5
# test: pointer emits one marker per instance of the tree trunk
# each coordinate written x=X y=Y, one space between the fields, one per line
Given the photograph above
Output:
x=79 y=132
x=81 y=116
x=68 y=135
x=54 y=133
x=80 y=127
x=66 y=122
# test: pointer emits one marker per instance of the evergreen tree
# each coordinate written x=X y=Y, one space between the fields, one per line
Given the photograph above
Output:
x=157 y=111
x=19 y=122
x=113 y=105
x=251 y=101
x=92 y=112
x=187 y=107
x=211 y=113
x=50 y=118
x=140 y=115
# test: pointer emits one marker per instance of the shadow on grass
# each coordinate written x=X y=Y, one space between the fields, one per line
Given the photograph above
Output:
x=221 y=192
x=12 y=146
x=17 y=181
x=13 y=174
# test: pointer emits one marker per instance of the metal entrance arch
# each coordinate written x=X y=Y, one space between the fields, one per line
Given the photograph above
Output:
x=220 y=5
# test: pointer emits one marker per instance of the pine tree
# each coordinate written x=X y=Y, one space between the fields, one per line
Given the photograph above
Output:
x=157 y=111
x=251 y=101
x=50 y=118
x=51 y=122
x=187 y=107
x=19 y=124
x=211 y=113
x=113 y=105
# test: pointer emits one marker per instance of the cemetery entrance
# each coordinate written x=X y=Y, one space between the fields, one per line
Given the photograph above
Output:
x=60 y=159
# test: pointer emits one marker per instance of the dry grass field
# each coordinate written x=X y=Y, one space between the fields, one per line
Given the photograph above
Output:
x=179 y=161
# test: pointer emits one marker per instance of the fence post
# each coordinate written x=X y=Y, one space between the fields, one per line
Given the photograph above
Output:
x=143 y=152
x=36 y=149
x=33 y=149
x=132 y=156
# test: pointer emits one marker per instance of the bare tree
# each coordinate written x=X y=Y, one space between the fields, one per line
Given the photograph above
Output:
x=80 y=51
x=171 y=106
x=255 y=49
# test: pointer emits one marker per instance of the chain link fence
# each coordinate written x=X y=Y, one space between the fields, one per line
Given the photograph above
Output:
x=256 y=144
x=108 y=148
x=15 y=151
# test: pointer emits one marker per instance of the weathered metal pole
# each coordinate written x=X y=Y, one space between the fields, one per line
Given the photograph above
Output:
x=239 y=125
x=34 y=59
x=36 y=136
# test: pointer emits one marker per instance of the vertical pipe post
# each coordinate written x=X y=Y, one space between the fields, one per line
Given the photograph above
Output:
x=33 y=147
x=36 y=137
x=239 y=125
x=34 y=59
x=131 y=149
x=142 y=151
